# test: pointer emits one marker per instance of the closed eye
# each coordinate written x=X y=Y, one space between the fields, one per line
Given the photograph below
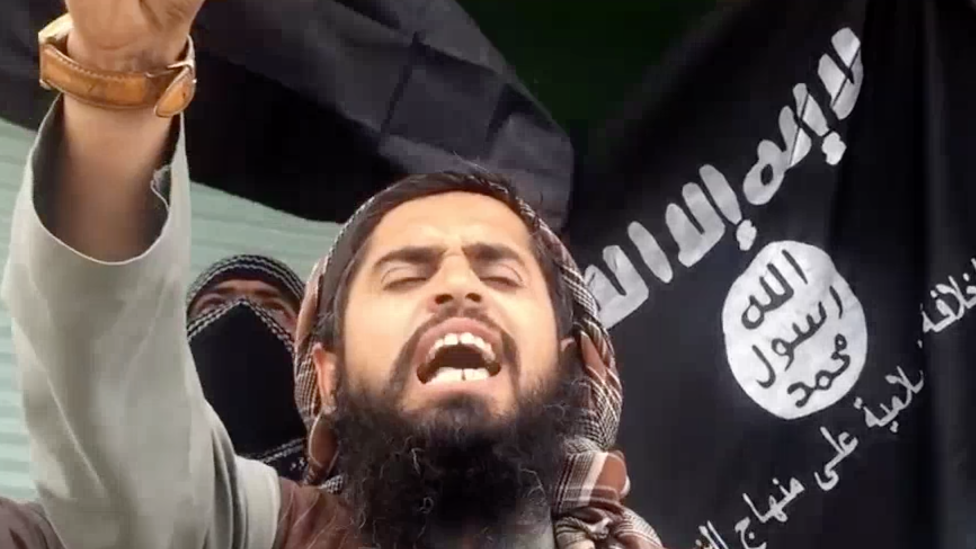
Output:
x=275 y=305
x=504 y=281
x=501 y=276
x=209 y=303
x=405 y=283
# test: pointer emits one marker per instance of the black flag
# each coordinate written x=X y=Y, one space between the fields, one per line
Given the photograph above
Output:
x=780 y=231
x=311 y=107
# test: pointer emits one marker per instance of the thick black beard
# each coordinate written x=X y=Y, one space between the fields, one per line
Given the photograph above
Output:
x=456 y=475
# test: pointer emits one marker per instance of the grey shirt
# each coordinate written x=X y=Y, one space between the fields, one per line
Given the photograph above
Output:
x=125 y=450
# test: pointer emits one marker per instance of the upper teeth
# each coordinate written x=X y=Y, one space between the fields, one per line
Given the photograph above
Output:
x=465 y=338
x=461 y=374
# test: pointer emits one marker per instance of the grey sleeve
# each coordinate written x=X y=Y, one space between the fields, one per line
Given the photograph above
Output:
x=125 y=450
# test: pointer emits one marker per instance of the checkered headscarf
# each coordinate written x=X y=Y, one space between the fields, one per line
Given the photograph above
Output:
x=248 y=267
x=587 y=511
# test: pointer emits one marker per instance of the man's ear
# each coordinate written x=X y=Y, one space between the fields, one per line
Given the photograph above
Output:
x=567 y=344
x=325 y=373
x=568 y=350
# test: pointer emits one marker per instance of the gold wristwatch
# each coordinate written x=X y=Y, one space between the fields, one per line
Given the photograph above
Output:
x=168 y=91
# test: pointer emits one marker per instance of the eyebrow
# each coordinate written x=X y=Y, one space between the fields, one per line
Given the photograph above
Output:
x=414 y=255
x=263 y=293
x=480 y=252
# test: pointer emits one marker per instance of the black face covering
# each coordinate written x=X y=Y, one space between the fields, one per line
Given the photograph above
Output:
x=244 y=360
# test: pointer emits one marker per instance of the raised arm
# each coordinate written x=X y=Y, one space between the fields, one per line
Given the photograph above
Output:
x=103 y=207
x=125 y=450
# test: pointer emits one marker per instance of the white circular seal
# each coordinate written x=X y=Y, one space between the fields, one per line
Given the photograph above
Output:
x=795 y=333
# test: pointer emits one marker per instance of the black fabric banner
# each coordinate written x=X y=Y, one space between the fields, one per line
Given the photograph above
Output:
x=312 y=107
x=780 y=232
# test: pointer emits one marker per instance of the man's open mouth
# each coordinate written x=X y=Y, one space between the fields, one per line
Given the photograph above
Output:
x=459 y=357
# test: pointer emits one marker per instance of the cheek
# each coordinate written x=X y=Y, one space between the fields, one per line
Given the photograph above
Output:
x=538 y=344
x=374 y=334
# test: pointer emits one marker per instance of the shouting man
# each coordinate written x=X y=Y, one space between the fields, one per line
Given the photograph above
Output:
x=458 y=388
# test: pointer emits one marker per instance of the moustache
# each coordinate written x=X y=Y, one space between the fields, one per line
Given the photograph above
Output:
x=403 y=368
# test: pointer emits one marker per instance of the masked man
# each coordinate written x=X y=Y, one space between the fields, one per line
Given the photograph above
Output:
x=458 y=387
x=241 y=321
x=241 y=316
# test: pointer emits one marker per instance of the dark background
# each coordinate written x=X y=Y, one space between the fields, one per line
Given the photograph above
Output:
x=583 y=59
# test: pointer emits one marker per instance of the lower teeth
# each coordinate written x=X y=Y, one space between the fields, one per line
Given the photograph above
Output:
x=455 y=374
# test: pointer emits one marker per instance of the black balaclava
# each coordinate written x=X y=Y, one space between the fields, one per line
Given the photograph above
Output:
x=244 y=360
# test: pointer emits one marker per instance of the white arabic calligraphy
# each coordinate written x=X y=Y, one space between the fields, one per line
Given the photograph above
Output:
x=795 y=333
x=798 y=125
x=897 y=404
x=712 y=537
x=944 y=295
x=777 y=508
x=844 y=445
x=745 y=536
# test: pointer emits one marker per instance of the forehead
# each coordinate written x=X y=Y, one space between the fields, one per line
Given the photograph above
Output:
x=456 y=216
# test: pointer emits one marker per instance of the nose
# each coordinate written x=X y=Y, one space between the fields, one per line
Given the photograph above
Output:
x=457 y=285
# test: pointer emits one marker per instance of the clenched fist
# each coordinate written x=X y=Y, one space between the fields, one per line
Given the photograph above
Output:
x=130 y=35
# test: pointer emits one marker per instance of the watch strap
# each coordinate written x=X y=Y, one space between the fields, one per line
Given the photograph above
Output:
x=168 y=91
